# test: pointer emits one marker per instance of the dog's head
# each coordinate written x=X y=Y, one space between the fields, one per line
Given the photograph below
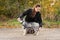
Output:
x=30 y=30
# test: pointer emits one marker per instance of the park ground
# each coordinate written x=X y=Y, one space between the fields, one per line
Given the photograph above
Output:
x=17 y=34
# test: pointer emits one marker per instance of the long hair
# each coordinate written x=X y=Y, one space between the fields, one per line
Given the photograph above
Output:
x=33 y=10
x=36 y=5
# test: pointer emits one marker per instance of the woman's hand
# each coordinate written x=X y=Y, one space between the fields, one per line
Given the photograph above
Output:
x=19 y=20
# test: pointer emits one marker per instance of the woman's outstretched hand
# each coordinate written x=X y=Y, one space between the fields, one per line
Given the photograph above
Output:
x=19 y=20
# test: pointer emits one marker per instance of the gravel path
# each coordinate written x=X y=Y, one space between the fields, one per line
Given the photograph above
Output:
x=16 y=34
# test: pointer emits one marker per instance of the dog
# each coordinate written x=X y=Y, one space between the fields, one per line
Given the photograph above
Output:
x=30 y=30
x=30 y=27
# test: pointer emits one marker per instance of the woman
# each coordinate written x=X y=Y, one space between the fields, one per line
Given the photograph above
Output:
x=33 y=18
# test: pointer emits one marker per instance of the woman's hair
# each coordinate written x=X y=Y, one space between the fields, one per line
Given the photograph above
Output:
x=33 y=11
x=37 y=5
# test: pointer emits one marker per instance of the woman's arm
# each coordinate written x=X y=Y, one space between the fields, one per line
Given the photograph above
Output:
x=25 y=13
x=40 y=20
x=20 y=18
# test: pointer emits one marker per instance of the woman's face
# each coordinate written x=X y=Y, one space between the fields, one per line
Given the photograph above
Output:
x=37 y=9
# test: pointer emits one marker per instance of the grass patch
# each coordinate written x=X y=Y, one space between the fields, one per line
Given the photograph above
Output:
x=51 y=24
x=13 y=23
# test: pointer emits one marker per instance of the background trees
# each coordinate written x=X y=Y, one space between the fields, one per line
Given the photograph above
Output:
x=12 y=8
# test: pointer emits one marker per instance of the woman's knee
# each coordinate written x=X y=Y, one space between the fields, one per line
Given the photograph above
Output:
x=27 y=24
x=35 y=24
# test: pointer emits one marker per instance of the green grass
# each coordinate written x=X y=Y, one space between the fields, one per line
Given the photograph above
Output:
x=51 y=24
x=10 y=23
x=13 y=23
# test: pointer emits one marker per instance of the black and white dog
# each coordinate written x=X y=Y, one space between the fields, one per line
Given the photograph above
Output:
x=30 y=27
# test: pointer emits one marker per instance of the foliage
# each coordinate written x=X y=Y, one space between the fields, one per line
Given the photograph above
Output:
x=50 y=9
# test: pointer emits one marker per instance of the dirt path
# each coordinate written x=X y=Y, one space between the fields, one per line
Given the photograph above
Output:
x=16 y=34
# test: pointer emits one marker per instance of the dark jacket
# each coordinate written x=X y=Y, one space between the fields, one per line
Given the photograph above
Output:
x=28 y=18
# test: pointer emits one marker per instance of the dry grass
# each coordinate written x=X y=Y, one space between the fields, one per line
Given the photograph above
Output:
x=10 y=24
x=15 y=24
x=49 y=24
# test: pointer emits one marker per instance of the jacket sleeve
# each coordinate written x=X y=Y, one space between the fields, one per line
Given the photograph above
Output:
x=24 y=13
x=40 y=20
